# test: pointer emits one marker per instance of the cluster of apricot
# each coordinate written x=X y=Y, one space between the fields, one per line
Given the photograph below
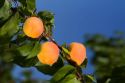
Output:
x=49 y=53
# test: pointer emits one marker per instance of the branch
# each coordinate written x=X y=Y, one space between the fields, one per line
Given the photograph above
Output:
x=78 y=68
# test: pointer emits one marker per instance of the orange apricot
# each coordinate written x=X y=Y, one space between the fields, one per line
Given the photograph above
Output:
x=49 y=53
x=33 y=27
x=77 y=52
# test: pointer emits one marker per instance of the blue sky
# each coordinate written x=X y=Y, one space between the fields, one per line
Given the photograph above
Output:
x=74 y=18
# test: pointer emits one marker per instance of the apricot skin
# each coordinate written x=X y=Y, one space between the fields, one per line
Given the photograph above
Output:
x=77 y=52
x=33 y=27
x=49 y=53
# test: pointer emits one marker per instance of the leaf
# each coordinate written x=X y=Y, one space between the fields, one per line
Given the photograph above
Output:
x=25 y=12
x=118 y=75
x=48 y=19
x=23 y=2
x=28 y=7
x=35 y=50
x=89 y=79
x=31 y=5
x=29 y=50
x=4 y=10
x=46 y=69
x=84 y=64
x=43 y=81
x=1 y=3
x=66 y=50
x=9 y=29
x=25 y=49
x=62 y=73
x=71 y=78
x=24 y=62
x=9 y=54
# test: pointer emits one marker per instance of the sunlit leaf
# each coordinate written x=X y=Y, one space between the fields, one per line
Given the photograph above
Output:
x=66 y=50
x=71 y=78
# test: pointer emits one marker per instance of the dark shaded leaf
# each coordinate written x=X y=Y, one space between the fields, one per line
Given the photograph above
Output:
x=24 y=62
x=118 y=75
x=90 y=79
x=46 y=69
x=23 y=2
x=9 y=29
x=31 y=5
x=84 y=64
x=48 y=19
x=5 y=11
x=1 y=3
x=8 y=54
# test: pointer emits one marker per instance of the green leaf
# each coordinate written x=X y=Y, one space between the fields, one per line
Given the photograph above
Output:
x=23 y=2
x=43 y=81
x=62 y=73
x=89 y=79
x=31 y=5
x=1 y=3
x=118 y=75
x=71 y=78
x=5 y=11
x=28 y=7
x=66 y=50
x=25 y=49
x=8 y=30
x=48 y=19
x=9 y=54
x=25 y=12
x=46 y=69
x=24 y=62
x=84 y=64
x=35 y=50
x=29 y=50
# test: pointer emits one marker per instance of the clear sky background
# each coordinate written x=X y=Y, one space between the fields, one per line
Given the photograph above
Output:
x=74 y=18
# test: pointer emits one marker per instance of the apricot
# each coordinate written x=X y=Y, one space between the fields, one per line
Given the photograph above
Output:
x=33 y=27
x=77 y=52
x=49 y=53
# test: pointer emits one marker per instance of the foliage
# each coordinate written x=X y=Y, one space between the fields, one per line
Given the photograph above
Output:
x=17 y=48
x=109 y=57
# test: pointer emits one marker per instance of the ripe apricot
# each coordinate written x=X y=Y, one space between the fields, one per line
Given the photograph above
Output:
x=77 y=52
x=33 y=27
x=49 y=53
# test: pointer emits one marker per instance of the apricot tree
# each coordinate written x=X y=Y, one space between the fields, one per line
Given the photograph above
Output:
x=26 y=39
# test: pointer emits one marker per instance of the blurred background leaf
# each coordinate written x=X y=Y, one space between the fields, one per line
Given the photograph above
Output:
x=109 y=56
